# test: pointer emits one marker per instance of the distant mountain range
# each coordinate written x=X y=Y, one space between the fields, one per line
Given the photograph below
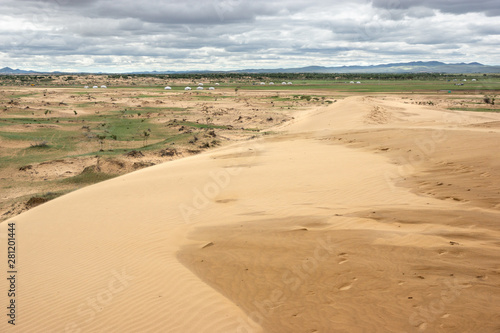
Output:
x=396 y=68
x=8 y=70
x=408 y=67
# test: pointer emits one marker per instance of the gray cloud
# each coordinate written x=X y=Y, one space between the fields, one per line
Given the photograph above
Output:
x=489 y=7
x=124 y=35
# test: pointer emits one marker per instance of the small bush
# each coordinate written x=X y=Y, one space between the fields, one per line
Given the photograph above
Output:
x=40 y=144
x=40 y=199
x=489 y=100
x=89 y=175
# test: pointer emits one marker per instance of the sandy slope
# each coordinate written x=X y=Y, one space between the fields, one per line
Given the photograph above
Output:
x=343 y=223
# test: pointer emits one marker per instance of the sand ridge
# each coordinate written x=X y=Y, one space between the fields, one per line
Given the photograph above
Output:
x=330 y=226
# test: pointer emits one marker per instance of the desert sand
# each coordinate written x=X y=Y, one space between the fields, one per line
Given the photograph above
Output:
x=367 y=215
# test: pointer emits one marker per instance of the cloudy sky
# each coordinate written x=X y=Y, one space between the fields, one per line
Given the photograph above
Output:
x=131 y=35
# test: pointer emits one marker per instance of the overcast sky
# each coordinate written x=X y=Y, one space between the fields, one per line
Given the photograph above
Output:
x=131 y=35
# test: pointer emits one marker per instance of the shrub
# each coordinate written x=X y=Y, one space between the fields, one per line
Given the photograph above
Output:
x=40 y=144
x=489 y=100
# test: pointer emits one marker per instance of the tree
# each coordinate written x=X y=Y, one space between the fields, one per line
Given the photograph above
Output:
x=146 y=135
x=101 y=141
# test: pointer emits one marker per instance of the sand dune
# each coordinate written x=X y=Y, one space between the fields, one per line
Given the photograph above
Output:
x=370 y=215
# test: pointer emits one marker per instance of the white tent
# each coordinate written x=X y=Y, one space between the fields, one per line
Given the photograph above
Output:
x=271 y=83
x=187 y=88
x=262 y=83
x=351 y=82
x=283 y=83
x=199 y=88
x=200 y=84
x=289 y=83
x=104 y=87
x=211 y=88
x=217 y=84
x=358 y=82
x=86 y=87
x=95 y=87
x=168 y=88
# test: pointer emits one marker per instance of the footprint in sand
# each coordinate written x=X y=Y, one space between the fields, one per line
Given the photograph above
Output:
x=343 y=258
x=422 y=327
x=345 y=286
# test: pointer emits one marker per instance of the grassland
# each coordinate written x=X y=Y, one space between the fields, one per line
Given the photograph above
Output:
x=57 y=136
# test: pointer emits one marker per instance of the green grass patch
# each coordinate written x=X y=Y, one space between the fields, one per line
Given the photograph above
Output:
x=147 y=96
x=374 y=85
x=43 y=134
x=475 y=109
x=197 y=125
x=279 y=99
x=85 y=105
x=44 y=145
x=88 y=176
x=181 y=138
x=127 y=129
x=39 y=145
x=43 y=198
x=23 y=95
x=178 y=139
x=146 y=109
x=213 y=97
x=47 y=196
x=23 y=121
